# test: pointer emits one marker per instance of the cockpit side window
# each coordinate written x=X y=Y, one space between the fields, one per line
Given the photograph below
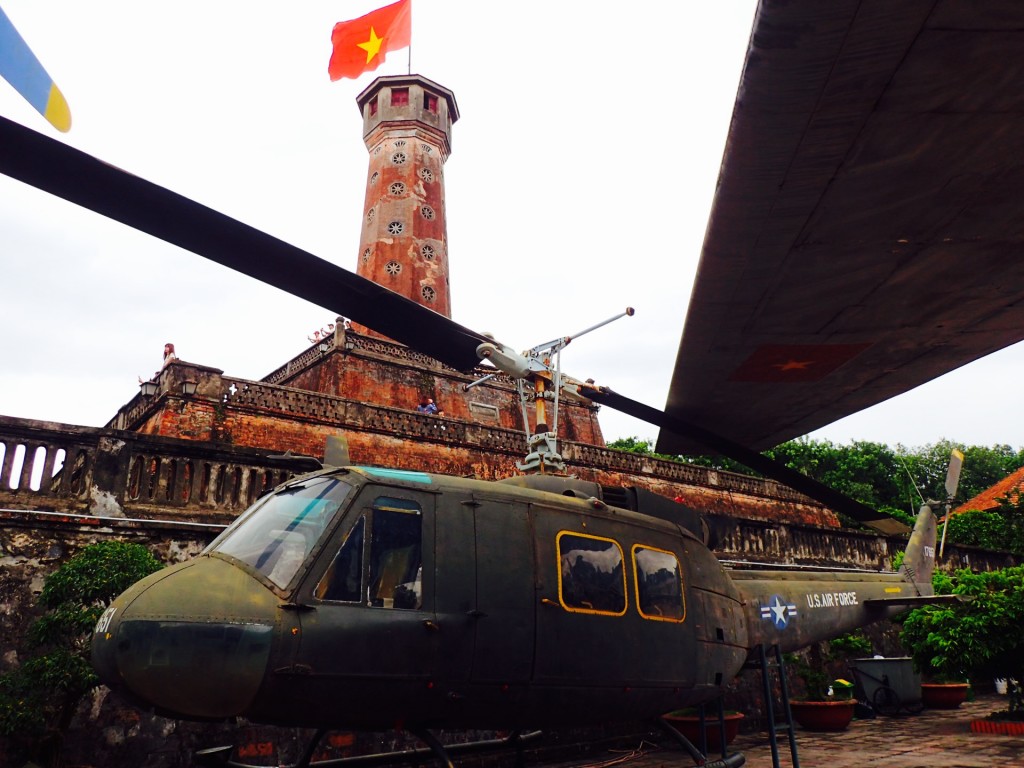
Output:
x=277 y=534
x=394 y=559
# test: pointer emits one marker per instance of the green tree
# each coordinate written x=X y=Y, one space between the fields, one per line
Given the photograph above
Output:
x=980 y=529
x=983 y=467
x=644 y=447
x=38 y=698
x=866 y=471
x=892 y=480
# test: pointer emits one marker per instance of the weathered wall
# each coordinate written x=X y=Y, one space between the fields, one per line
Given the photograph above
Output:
x=317 y=387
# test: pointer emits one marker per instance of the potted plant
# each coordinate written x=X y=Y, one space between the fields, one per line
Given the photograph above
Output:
x=933 y=636
x=980 y=636
x=820 y=708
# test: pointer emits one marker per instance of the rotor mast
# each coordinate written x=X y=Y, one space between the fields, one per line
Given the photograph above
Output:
x=533 y=369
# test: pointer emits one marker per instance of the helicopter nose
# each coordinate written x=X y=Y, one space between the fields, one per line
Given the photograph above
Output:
x=193 y=640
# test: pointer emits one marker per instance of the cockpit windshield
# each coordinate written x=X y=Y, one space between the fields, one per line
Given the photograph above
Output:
x=278 y=533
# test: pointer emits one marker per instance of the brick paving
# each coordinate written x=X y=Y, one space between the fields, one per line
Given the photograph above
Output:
x=932 y=739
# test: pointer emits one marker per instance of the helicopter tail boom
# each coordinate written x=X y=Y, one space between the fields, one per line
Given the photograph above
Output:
x=919 y=556
x=795 y=608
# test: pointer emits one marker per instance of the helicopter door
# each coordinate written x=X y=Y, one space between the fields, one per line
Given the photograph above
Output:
x=372 y=599
x=505 y=593
x=583 y=630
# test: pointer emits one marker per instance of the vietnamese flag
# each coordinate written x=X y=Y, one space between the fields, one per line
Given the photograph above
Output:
x=360 y=44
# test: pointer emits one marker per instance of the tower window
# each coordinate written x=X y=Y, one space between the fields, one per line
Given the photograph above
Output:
x=396 y=228
x=373 y=177
x=396 y=189
x=392 y=267
x=366 y=255
x=430 y=102
x=373 y=107
x=428 y=293
x=399 y=97
x=399 y=158
x=426 y=212
x=426 y=174
x=427 y=251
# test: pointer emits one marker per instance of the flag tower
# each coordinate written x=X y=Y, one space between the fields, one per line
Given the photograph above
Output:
x=407 y=125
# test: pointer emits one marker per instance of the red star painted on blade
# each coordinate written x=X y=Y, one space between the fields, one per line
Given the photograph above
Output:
x=795 y=363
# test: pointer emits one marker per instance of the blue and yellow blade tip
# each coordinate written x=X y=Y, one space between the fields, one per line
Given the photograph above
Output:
x=20 y=67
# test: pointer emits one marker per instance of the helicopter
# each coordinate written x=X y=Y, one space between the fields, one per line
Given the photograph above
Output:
x=445 y=602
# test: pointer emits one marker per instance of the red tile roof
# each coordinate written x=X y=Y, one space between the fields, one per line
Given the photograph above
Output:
x=988 y=500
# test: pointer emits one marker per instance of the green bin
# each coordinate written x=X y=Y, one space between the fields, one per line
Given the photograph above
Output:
x=879 y=678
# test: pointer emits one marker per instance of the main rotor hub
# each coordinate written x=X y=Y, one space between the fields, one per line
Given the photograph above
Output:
x=534 y=366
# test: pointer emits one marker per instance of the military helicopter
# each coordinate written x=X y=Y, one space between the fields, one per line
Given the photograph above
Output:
x=439 y=602
x=364 y=597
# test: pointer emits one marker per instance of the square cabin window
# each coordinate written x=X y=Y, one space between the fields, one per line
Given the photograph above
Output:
x=592 y=578
x=373 y=107
x=430 y=102
x=399 y=97
x=659 y=585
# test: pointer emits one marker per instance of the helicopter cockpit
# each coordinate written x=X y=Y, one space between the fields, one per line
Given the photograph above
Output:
x=277 y=534
x=281 y=532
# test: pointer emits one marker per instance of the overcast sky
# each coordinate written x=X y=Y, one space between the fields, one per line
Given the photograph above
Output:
x=580 y=182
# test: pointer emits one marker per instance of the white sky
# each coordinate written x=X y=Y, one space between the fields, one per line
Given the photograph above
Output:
x=580 y=182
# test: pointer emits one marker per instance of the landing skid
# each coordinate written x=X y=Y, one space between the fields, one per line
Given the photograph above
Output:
x=734 y=760
x=220 y=757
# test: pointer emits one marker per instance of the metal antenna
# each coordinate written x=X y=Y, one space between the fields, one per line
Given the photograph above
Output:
x=912 y=482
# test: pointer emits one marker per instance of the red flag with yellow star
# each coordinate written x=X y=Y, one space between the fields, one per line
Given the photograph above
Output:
x=360 y=44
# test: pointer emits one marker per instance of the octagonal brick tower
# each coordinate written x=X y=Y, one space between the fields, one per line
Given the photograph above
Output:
x=407 y=126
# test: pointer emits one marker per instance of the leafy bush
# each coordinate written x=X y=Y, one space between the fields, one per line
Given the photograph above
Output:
x=38 y=699
x=981 y=637
x=819 y=667
x=979 y=529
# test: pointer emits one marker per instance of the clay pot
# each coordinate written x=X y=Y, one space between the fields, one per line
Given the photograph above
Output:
x=943 y=695
x=1002 y=727
x=689 y=726
x=823 y=715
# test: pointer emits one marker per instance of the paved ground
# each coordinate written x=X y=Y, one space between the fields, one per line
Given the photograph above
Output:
x=932 y=739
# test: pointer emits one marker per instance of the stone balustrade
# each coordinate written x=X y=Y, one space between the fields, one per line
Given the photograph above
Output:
x=114 y=474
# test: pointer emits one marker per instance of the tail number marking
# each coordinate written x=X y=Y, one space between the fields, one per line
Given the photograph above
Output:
x=104 y=623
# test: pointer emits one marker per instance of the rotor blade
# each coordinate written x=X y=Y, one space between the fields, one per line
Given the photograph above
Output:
x=20 y=67
x=756 y=461
x=84 y=180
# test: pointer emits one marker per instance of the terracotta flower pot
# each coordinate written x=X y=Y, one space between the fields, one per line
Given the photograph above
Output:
x=823 y=715
x=689 y=726
x=943 y=695
x=1002 y=727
